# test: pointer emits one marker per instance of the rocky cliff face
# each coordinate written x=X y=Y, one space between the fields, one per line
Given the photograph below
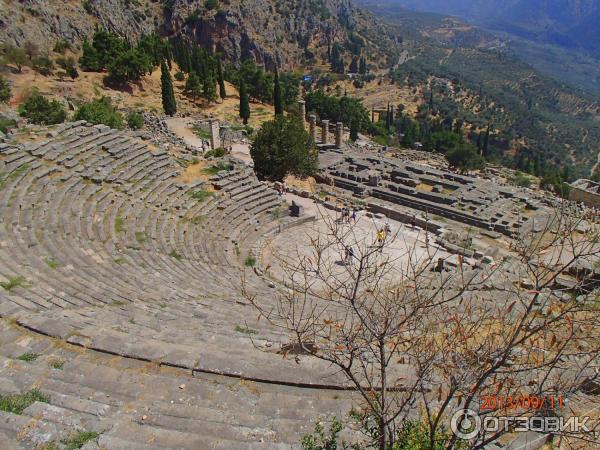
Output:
x=45 y=21
x=269 y=31
x=266 y=30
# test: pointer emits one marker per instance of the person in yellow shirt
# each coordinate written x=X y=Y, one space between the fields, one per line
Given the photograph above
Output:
x=380 y=238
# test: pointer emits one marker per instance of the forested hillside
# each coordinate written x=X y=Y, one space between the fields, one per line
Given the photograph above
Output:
x=462 y=72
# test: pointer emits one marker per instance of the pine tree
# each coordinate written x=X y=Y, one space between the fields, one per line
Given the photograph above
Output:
x=222 y=92
x=166 y=87
x=4 y=90
x=277 y=100
x=193 y=87
x=354 y=130
x=244 y=103
x=89 y=60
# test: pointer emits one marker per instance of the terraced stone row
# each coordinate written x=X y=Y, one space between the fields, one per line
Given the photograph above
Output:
x=134 y=405
x=102 y=246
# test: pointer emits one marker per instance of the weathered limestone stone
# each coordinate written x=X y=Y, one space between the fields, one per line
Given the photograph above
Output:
x=302 y=110
x=339 y=131
x=324 y=131
x=312 y=120
x=215 y=134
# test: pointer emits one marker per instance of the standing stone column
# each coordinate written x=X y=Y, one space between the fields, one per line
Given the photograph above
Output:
x=324 y=131
x=312 y=120
x=339 y=132
x=215 y=134
x=302 y=110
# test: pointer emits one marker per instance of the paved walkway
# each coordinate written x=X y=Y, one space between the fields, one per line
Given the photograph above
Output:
x=241 y=152
x=405 y=244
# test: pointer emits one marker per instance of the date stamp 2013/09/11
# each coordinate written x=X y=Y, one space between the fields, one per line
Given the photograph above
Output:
x=521 y=402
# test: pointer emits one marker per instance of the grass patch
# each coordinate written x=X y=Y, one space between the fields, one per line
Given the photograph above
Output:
x=175 y=255
x=13 y=174
x=245 y=330
x=141 y=237
x=217 y=153
x=275 y=213
x=120 y=260
x=201 y=195
x=56 y=363
x=197 y=220
x=17 y=403
x=520 y=179
x=6 y=123
x=28 y=357
x=48 y=446
x=13 y=283
x=250 y=261
x=201 y=132
x=79 y=439
x=19 y=171
x=117 y=303
x=52 y=263
x=216 y=168
x=119 y=225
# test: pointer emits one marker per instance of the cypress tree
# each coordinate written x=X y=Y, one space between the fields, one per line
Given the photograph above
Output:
x=353 y=65
x=187 y=59
x=222 y=92
x=486 y=140
x=166 y=87
x=210 y=90
x=354 y=130
x=362 y=67
x=244 y=103
x=387 y=118
x=337 y=59
x=277 y=100
x=168 y=52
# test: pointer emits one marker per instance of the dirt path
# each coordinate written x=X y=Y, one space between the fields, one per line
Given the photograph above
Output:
x=181 y=126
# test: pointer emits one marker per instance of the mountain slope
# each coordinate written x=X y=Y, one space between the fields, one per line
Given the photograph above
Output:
x=536 y=118
x=473 y=78
x=568 y=23
x=265 y=30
